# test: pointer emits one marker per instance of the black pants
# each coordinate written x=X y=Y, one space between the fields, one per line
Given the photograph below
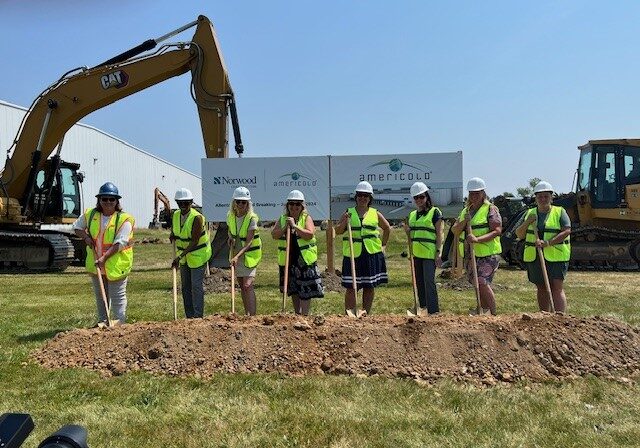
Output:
x=426 y=283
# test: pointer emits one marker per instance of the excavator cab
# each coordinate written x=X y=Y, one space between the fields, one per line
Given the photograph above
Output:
x=56 y=198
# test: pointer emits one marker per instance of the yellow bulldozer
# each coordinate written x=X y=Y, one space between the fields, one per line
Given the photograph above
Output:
x=604 y=209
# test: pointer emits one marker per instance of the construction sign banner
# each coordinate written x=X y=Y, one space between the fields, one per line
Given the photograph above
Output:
x=269 y=179
x=328 y=183
x=392 y=175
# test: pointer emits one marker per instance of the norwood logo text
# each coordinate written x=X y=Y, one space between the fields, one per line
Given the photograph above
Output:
x=226 y=180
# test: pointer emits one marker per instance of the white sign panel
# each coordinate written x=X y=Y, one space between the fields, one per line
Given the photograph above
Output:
x=392 y=175
x=269 y=180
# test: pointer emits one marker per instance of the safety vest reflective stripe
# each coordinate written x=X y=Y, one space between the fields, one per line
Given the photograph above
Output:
x=118 y=265
x=308 y=248
x=480 y=226
x=363 y=232
x=200 y=255
x=253 y=254
x=556 y=252
x=423 y=234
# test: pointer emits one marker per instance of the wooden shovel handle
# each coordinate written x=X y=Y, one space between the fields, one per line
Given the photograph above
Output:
x=102 y=291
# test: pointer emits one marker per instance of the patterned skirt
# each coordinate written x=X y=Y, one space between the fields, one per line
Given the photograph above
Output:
x=487 y=267
x=371 y=270
x=304 y=280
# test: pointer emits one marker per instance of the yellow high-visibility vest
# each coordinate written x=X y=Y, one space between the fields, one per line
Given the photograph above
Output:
x=480 y=226
x=365 y=231
x=118 y=265
x=253 y=255
x=201 y=254
x=557 y=252
x=308 y=248
x=423 y=234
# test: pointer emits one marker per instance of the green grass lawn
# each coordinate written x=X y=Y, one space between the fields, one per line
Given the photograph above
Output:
x=136 y=410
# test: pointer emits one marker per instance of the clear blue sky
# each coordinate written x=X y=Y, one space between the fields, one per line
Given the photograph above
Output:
x=515 y=85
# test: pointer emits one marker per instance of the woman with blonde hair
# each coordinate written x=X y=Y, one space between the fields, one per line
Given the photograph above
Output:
x=486 y=227
x=246 y=246
x=304 y=280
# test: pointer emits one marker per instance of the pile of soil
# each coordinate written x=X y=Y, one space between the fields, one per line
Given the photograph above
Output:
x=332 y=281
x=219 y=281
x=482 y=350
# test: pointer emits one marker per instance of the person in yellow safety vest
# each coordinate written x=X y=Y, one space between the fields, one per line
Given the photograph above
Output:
x=193 y=249
x=246 y=246
x=554 y=227
x=368 y=248
x=108 y=232
x=486 y=228
x=304 y=280
x=424 y=228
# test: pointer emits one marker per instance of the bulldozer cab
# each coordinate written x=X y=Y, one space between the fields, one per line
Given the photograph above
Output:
x=606 y=170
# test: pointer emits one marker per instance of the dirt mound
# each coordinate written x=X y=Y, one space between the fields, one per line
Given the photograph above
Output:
x=219 y=281
x=332 y=281
x=485 y=350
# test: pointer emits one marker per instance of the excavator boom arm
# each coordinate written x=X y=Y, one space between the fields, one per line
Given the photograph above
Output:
x=74 y=97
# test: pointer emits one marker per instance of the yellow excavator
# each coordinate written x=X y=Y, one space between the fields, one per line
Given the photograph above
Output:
x=161 y=218
x=37 y=189
x=604 y=209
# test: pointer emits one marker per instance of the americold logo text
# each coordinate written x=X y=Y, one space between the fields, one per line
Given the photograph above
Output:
x=400 y=171
x=295 y=179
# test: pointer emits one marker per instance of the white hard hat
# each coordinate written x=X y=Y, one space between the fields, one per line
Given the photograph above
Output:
x=542 y=186
x=476 y=184
x=183 y=194
x=241 y=193
x=295 y=195
x=418 y=188
x=364 y=187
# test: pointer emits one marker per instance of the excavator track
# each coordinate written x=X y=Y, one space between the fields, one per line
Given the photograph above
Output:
x=601 y=248
x=22 y=252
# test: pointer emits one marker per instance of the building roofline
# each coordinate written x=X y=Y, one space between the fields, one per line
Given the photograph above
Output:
x=15 y=106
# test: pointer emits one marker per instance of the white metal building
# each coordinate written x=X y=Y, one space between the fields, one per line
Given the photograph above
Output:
x=101 y=157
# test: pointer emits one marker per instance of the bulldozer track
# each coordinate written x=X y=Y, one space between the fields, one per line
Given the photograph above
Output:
x=34 y=252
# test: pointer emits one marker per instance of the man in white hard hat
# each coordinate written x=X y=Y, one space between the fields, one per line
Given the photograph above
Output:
x=193 y=250
x=554 y=227
x=486 y=227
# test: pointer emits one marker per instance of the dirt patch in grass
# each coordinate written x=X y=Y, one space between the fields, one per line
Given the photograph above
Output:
x=482 y=350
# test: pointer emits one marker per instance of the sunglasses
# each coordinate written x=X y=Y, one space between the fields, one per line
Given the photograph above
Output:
x=241 y=202
x=183 y=203
x=103 y=199
x=420 y=196
x=362 y=195
x=296 y=204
